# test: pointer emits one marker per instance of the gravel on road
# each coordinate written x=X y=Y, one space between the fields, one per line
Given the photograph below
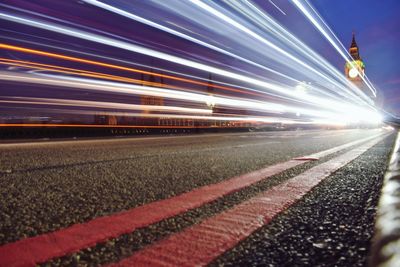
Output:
x=330 y=226
x=51 y=186
x=117 y=248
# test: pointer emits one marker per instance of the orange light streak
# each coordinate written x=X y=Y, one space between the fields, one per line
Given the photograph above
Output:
x=80 y=72
x=104 y=126
x=102 y=64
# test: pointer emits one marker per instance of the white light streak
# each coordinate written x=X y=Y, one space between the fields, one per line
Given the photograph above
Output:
x=262 y=20
x=348 y=114
x=277 y=7
x=131 y=89
x=314 y=21
x=257 y=36
x=321 y=102
x=179 y=34
x=100 y=104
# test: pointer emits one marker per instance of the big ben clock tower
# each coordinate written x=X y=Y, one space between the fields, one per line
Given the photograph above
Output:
x=355 y=71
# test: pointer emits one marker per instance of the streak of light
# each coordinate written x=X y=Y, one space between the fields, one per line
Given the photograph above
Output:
x=277 y=7
x=265 y=21
x=141 y=90
x=364 y=77
x=257 y=37
x=52 y=18
x=215 y=82
x=314 y=21
x=98 y=104
x=74 y=71
x=49 y=125
x=349 y=114
x=324 y=103
x=64 y=70
x=179 y=34
x=234 y=23
x=227 y=118
x=118 y=67
x=233 y=119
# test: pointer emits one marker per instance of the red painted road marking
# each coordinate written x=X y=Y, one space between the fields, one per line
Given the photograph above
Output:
x=200 y=244
x=30 y=251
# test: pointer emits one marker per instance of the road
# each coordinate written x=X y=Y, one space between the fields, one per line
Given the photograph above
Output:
x=54 y=186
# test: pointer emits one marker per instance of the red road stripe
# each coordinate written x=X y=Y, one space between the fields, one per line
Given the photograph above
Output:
x=193 y=247
x=29 y=251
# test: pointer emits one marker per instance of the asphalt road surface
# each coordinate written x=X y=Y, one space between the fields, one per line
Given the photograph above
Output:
x=49 y=186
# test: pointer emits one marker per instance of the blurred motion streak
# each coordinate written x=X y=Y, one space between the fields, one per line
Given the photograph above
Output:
x=258 y=71
x=313 y=16
x=171 y=58
x=79 y=83
x=102 y=64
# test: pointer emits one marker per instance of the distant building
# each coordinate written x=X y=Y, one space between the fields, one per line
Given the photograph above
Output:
x=151 y=100
x=355 y=70
x=210 y=91
x=105 y=119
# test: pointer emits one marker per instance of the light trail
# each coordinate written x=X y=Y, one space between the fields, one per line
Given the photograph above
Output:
x=150 y=23
x=131 y=89
x=323 y=103
x=118 y=67
x=363 y=77
x=64 y=70
x=313 y=19
x=330 y=98
x=233 y=119
x=263 y=20
x=53 y=68
x=50 y=125
x=42 y=53
x=181 y=35
x=100 y=104
x=277 y=7
x=355 y=93
x=94 y=75
x=184 y=36
x=205 y=118
x=351 y=114
x=258 y=37
x=216 y=83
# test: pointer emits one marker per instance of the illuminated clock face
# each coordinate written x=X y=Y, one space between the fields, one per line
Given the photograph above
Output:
x=353 y=73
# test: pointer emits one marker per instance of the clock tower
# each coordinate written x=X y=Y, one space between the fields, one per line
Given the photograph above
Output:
x=355 y=70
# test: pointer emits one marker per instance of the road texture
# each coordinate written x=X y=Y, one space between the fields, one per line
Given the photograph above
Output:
x=48 y=186
x=332 y=225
